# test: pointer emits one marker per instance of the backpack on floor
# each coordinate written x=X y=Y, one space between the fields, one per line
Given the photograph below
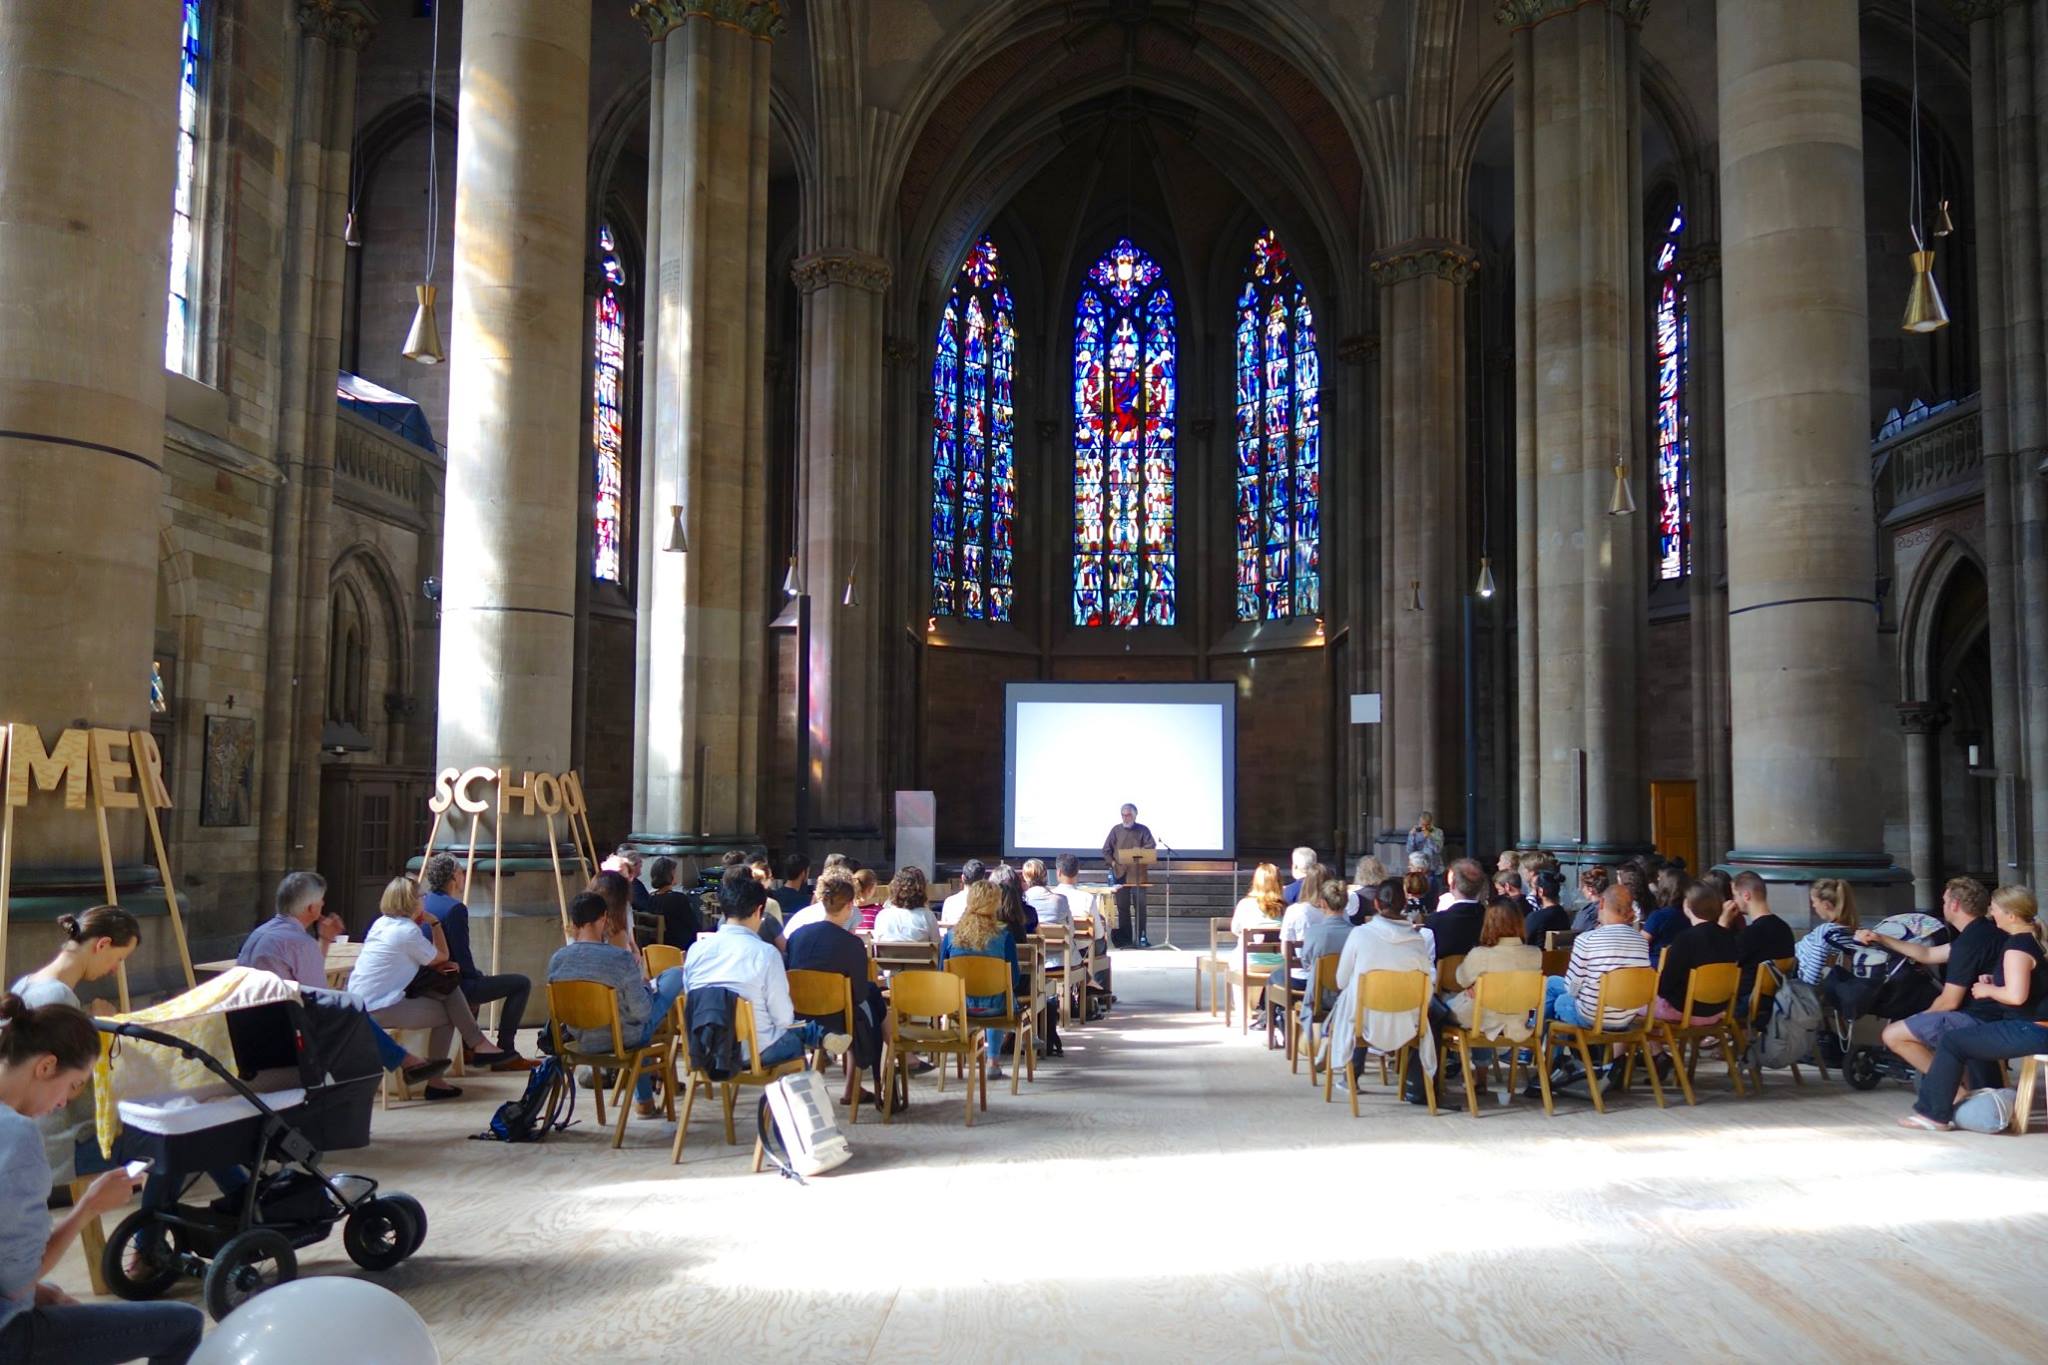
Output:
x=1788 y=1036
x=547 y=1105
x=799 y=1131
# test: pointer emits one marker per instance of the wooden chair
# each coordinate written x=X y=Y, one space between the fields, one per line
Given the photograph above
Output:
x=1556 y=961
x=1053 y=941
x=1243 y=974
x=1765 y=987
x=1624 y=989
x=595 y=1006
x=2023 y=1098
x=1515 y=993
x=897 y=957
x=826 y=997
x=729 y=1088
x=1713 y=981
x=1390 y=993
x=1089 y=950
x=990 y=976
x=1281 y=997
x=928 y=1016
x=1559 y=940
x=1322 y=987
x=1216 y=965
x=659 y=957
x=1447 y=974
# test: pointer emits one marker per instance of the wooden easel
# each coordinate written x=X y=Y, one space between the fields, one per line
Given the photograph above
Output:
x=84 y=760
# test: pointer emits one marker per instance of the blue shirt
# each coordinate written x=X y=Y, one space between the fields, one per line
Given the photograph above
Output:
x=24 y=1211
x=454 y=918
x=1003 y=946
x=1664 y=924
x=280 y=945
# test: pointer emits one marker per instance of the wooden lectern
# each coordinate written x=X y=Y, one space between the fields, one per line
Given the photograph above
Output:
x=1131 y=864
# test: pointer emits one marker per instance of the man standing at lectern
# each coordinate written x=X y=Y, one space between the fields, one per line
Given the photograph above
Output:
x=1130 y=892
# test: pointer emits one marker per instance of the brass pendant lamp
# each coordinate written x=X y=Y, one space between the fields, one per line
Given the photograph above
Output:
x=1925 y=312
x=423 y=338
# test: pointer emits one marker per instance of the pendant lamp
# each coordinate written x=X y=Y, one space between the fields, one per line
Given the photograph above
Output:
x=1925 y=312
x=849 y=597
x=791 y=584
x=1485 y=585
x=423 y=338
x=1623 y=501
x=678 y=543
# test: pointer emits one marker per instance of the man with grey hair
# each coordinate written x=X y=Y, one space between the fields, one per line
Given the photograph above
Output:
x=1049 y=905
x=285 y=945
x=1303 y=866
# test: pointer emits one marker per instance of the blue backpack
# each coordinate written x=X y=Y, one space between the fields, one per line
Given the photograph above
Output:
x=548 y=1105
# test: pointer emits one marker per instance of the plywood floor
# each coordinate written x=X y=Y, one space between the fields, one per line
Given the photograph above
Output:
x=1167 y=1192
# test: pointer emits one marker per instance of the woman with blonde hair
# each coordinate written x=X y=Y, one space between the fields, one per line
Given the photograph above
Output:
x=1261 y=908
x=2009 y=1007
x=982 y=933
x=405 y=980
x=1833 y=904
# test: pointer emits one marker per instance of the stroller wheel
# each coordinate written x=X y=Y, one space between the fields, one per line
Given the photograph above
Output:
x=249 y=1263
x=141 y=1258
x=419 y=1218
x=380 y=1233
x=1861 y=1070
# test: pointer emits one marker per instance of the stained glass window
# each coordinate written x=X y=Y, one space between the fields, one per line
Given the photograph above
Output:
x=178 y=323
x=1125 y=360
x=1279 y=441
x=607 y=420
x=974 y=458
x=1673 y=434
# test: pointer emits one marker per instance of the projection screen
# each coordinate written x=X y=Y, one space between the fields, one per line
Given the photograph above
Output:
x=1074 y=753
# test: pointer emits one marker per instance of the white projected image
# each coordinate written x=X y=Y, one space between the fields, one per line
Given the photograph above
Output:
x=1077 y=762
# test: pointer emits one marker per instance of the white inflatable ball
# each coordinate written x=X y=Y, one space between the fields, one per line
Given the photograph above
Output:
x=321 y=1320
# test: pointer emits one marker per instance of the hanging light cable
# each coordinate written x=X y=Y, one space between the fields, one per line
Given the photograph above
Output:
x=1925 y=312
x=351 y=232
x=423 y=338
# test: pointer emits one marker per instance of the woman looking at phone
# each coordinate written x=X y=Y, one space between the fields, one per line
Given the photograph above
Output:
x=45 y=1058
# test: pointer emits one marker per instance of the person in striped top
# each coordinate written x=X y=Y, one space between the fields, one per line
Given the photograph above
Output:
x=1612 y=944
x=1834 y=929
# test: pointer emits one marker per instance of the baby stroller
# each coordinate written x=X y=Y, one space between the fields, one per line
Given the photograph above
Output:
x=304 y=1081
x=1877 y=987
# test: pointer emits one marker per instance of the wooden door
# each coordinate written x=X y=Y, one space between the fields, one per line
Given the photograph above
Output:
x=372 y=820
x=1674 y=822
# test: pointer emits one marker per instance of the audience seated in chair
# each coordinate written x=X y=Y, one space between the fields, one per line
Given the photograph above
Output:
x=867 y=899
x=972 y=871
x=906 y=918
x=1832 y=906
x=1668 y=920
x=1302 y=867
x=981 y=932
x=830 y=945
x=1454 y=930
x=446 y=884
x=1260 y=908
x=1501 y=948
x=1971 y=956
x=674 y=907
x=395 y=979
x=1385 y=944
x=1707 y=938
x=1612 y=943
x=739 y=960
x=1763 y=937
x=1593 y=884
x=1327 y=934
x=1016 y=914
x=792 y=890
x=2011 y=1011
x=1547 y=916
x=95 y=945
x=596 y=953
x=1046 y=905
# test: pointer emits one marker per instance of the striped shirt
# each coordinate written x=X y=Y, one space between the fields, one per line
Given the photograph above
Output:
x=1597 y=952
x=1816 y=952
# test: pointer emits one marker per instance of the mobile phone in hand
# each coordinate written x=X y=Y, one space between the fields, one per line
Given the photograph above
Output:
x=138 y=1169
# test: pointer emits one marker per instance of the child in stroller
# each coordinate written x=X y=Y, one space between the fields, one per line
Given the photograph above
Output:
x=304 y=1081
x=1872 y=986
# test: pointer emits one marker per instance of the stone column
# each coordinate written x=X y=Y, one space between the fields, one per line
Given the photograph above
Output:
x=515 y=403
x=839 y=462
x=1708 y=588
x=331 y=34
x=1582 y=591
x=1422 y=432
x=88 y=92
x=702 y=696
x=1922 y=723
x=1802 y=634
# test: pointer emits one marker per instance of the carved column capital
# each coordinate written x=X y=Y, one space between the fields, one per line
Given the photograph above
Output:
x=1425 y=258
x=854 y=268
x=1922 y=717
x=1358 y=349
x=345 y=23
x=1515 y=14
x=756 y=18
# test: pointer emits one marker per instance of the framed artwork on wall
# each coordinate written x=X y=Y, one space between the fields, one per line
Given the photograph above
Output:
x=230 y=770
